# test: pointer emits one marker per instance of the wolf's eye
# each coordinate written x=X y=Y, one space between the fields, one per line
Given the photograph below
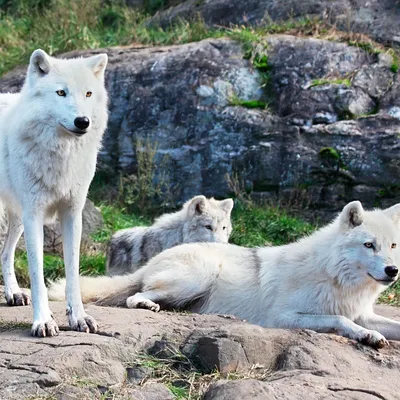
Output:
x=369 y=245
x=88 y=94
x=209 y=227
x=394 y=245
x=224 y=227
x=61 y=93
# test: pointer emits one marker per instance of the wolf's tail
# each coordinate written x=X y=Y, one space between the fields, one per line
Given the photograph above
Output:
x=101 y=290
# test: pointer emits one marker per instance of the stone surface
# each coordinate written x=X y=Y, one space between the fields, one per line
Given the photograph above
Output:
x=292 y=364
x=377 y=18
x=92 y=221
x=178 y=99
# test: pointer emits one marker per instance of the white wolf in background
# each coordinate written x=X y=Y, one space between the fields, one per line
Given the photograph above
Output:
x=327 y=282
x=50 y=134
x=199 y=220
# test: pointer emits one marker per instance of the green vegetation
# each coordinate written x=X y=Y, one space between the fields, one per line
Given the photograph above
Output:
x=329 y=153
x=259 y=226
x=391 y=296
x=235 y=101
x=92 y=262
x=149 y=188
x=396 y=60
x=328 y=81
x=116 y=218
x=181 y=375
x=59 y=26
x=367 y=46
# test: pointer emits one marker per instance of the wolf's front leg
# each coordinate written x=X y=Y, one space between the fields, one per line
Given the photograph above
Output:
x=387 y=327
x=14 y=295
x=71 y=223
x=333 y=324
x=43 y=323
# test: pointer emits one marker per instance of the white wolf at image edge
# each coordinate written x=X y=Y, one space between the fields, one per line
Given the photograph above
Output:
x=50 y=134
x=327 y=282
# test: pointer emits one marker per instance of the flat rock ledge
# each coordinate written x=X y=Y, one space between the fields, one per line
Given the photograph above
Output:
x=252 y=362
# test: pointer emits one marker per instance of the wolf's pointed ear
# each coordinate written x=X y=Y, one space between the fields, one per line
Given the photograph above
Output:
x=39 y=63
x=226 y=205
x=394 y=213
x=197 y=205
x=98 y=64
x=352 y=215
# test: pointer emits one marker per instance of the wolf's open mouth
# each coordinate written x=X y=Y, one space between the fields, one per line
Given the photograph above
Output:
x=75 y=132
x=383 y=281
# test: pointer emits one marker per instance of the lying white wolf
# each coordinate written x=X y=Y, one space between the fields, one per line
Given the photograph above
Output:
x=50 y=134
x=199 y=220
x=327 y=282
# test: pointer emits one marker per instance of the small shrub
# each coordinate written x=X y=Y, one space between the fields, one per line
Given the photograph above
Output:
x=149 y=186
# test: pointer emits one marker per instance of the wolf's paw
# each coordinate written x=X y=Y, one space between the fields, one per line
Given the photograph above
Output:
x=86 y=323
x=43 y=329
x=372 y=338
x=132 y=302
x=18 y=299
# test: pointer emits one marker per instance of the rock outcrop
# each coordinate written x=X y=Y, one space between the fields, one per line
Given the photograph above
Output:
x=330 y=134
x=376 y=18
x=139 y=354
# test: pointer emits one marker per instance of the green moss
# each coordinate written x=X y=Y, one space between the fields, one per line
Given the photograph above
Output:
x=235 y=101
x=329 y=153
x=327 y=81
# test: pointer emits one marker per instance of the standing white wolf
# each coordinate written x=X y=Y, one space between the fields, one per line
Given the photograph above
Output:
x=50 y=134
x=199 y=220
x=327 y=282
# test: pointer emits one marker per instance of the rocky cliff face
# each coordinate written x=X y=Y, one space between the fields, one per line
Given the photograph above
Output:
x=330 y=134
x=376 y=18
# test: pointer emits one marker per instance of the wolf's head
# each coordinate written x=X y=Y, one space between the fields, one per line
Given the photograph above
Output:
x=369 y=243
x=67 y=94
x=208 y=220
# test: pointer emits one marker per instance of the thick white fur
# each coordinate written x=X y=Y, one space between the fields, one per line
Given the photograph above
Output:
x=199 y=220
x=46 y=166
x=327 y=282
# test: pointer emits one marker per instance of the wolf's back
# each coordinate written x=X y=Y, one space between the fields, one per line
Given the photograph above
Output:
x=7 y=100
x=124 y=251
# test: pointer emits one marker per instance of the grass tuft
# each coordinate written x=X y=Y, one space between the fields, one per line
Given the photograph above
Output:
x=262 y=225
x=235 y=101
x=327 y=81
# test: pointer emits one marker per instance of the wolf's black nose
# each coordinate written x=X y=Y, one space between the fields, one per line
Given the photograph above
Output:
x=82 y=123
x=391 y=271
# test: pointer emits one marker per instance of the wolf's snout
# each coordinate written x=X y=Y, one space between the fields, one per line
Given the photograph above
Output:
x=82 y=123
x=391 y=271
